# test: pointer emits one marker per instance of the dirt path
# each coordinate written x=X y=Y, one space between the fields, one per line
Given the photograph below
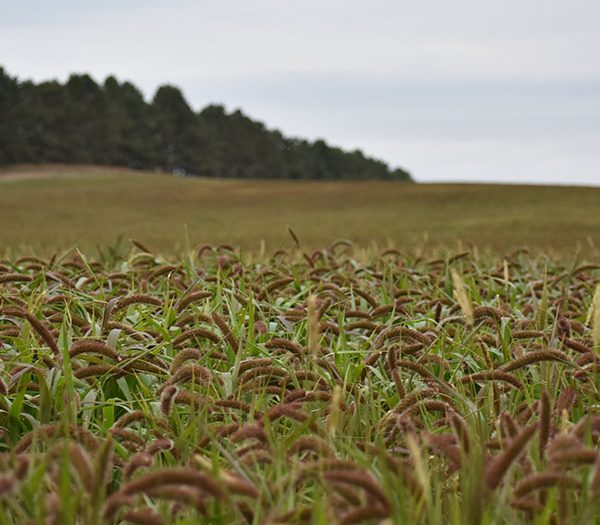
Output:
x=33 y=171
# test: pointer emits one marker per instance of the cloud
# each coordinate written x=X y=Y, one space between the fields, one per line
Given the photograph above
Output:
x=481 y=86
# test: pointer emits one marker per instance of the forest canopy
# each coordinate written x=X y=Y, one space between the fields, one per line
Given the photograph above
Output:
x=112 y=124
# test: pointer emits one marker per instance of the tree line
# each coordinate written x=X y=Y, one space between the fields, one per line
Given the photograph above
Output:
x=111 y=123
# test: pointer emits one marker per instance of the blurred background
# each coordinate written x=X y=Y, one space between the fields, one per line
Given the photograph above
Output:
x=434 y=92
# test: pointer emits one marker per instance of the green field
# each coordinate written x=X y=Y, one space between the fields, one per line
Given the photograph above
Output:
x=193 y=383
x=299 y=389
x=42 y=210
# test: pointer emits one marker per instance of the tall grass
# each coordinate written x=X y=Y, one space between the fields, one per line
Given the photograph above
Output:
x=325 y=387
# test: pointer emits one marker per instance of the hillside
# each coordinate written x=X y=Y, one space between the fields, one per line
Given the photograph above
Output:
x=59 y=207
x=111 y=124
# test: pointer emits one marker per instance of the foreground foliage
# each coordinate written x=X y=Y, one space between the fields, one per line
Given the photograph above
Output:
x=306 y=388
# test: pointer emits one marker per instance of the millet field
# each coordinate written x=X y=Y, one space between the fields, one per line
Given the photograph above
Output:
x=341 y=385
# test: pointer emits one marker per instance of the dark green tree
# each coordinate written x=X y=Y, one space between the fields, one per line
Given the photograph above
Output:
x=81 y=121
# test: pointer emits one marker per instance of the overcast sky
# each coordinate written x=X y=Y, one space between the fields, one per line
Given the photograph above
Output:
x=478 y=90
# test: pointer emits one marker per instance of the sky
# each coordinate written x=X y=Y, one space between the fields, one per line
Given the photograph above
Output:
x=461 y=90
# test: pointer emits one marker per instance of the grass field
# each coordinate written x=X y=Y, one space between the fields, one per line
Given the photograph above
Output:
x=354 y=383
x=308 y=388
x=42 y=210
